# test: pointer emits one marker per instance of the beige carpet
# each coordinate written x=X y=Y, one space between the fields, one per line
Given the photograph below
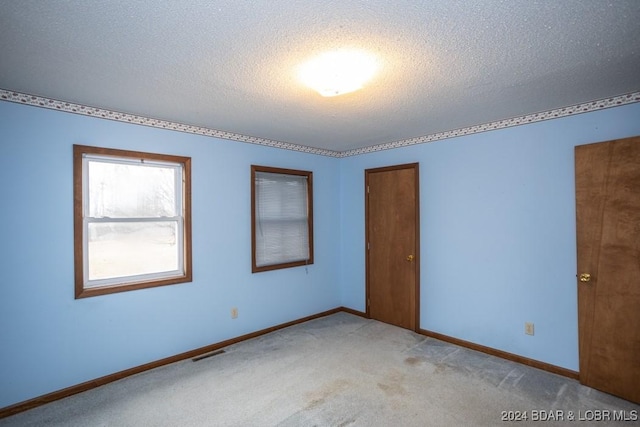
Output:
x=340 y=370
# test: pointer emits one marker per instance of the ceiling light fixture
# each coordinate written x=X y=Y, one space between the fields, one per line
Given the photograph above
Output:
x=338 y=72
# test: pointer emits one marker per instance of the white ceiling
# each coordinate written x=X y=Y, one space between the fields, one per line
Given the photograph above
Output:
x=230 y=65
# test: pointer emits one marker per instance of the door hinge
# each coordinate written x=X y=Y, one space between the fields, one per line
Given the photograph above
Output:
x=367 y=189
x=368 y=245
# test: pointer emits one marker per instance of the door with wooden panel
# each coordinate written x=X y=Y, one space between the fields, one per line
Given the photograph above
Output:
x=608 y=242
x=392 y=254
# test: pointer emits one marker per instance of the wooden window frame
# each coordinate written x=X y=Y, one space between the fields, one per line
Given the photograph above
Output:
x=309 y=175
x=127 y=284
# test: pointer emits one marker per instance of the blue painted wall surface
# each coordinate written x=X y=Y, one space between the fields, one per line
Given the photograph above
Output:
x=497 y=232
x=50 y=341
x=497 y=240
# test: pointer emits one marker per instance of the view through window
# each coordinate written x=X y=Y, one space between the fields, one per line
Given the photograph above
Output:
x=132 y=220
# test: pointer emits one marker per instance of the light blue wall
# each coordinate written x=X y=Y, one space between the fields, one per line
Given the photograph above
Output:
x=497 y=232
x=498 y=245
x=49 y=340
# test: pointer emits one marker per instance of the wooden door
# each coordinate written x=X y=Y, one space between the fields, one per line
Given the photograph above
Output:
x=608 y=241
x=392 y=233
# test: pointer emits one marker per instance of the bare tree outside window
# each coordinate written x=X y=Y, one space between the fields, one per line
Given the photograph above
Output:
x=133 y=218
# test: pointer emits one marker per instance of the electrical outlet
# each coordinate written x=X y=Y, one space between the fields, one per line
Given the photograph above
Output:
x=528 y=328
x=234 y=313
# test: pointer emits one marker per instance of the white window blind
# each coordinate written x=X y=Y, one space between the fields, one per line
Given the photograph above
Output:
x=281 y=218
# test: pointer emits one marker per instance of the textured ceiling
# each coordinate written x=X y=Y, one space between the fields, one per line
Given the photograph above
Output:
x=230 y=65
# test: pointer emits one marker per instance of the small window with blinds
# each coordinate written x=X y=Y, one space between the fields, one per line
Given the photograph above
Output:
x=281 y=218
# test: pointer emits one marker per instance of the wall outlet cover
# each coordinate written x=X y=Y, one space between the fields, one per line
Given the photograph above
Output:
x=528 y=328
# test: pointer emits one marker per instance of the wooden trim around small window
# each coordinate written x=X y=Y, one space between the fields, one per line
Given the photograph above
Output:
x=268 y=169
x=78 y=152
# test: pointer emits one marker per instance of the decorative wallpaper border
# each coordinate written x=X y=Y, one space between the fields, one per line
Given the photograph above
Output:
x=84 y=110
x=586 y=107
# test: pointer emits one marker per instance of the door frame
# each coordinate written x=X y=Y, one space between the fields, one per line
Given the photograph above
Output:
x=416 y=168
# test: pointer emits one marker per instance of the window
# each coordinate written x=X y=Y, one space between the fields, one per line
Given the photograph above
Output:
x=132 y=220
x=281 y=218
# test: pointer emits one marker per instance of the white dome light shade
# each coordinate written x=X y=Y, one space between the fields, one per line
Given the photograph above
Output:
x=338 y=72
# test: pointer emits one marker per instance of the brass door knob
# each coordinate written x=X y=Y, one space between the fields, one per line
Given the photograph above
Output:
x=410 y=258
x=585 y=277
